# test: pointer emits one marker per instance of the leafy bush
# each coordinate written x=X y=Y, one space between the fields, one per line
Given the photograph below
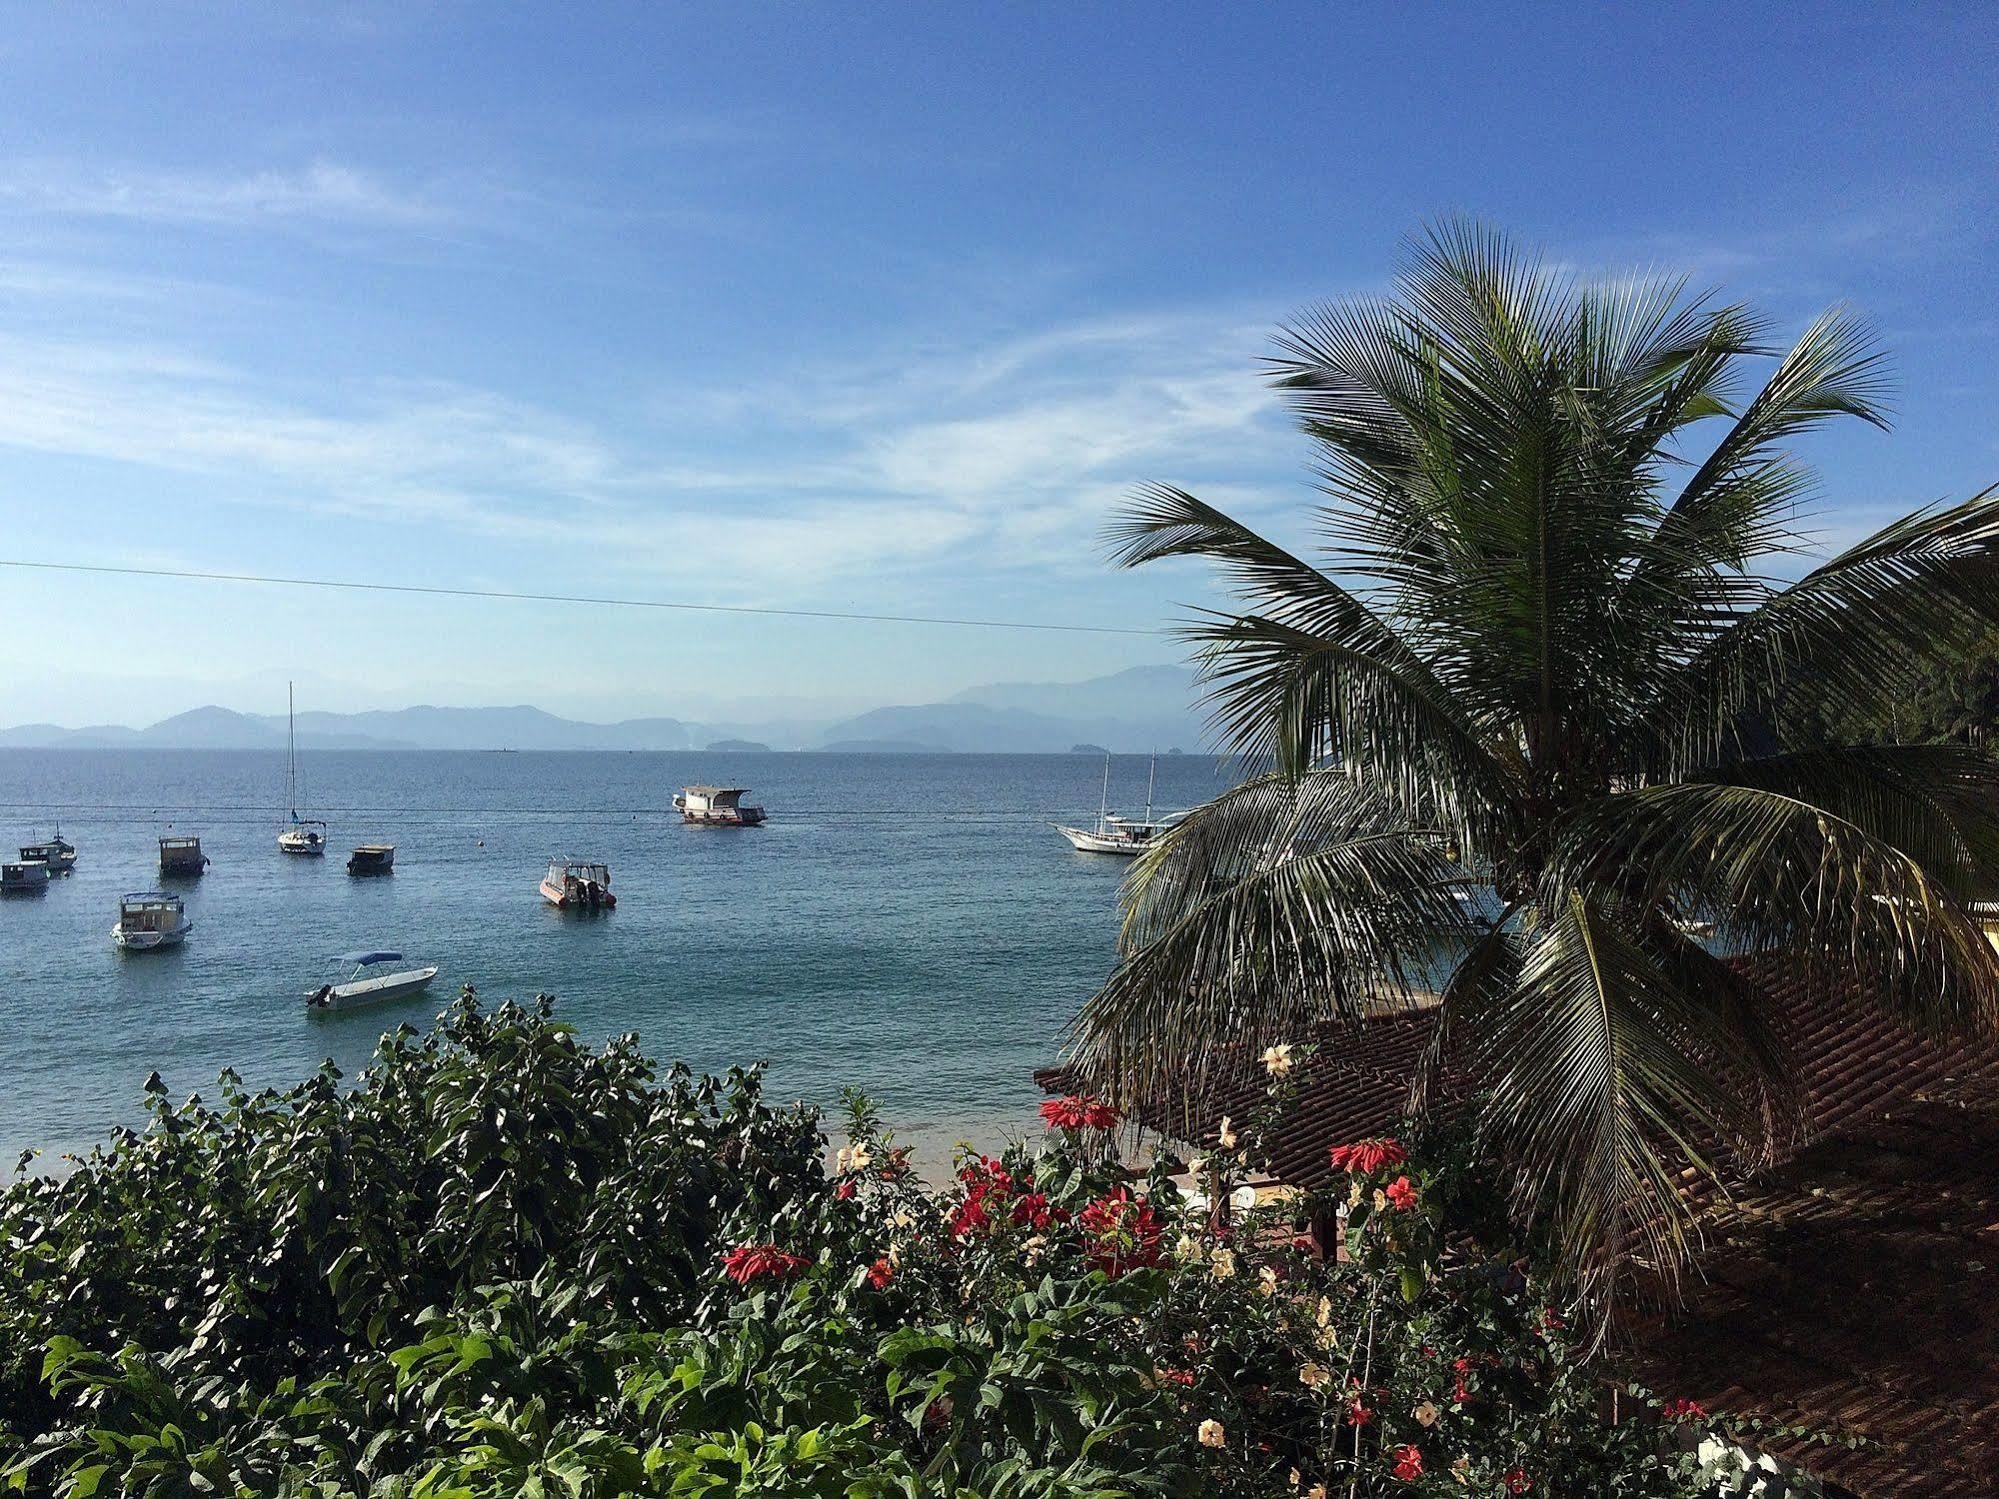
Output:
x=509 y=1264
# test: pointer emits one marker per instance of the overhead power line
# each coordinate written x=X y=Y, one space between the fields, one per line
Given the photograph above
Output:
x=189 y=574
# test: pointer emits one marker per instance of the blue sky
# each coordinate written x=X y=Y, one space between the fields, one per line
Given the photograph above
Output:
x=873 y=308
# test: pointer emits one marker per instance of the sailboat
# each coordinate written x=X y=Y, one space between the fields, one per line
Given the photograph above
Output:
x=1119 y=835
x=306 y=835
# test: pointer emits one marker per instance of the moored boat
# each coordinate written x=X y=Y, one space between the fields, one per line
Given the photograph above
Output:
x=578 y=885
x=306 y=835
x=717 y=806
x=182 y=855
x=150 y=918
x=58 y=853
x=372 y=858
x=365 y=986
x=24 y=878
x=1119 y=835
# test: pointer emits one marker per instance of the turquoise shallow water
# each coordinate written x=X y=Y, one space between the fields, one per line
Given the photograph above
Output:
x=909 y=924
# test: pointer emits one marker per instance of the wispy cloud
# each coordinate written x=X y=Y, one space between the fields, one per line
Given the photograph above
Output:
x=318 y=192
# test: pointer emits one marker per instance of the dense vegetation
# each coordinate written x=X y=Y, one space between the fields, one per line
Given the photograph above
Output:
x=506 y=1263
x=1537 y=649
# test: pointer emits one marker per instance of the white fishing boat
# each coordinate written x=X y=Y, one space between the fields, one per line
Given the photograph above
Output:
x=150 y=918
x=366 y=986
x=306 y=835
x=717 y=807
x=578 y=885
x=1119 y=835
x=25 y=878
x=57 y=853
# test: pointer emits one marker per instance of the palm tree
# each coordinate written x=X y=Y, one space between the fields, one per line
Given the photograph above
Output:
x=1538 y=653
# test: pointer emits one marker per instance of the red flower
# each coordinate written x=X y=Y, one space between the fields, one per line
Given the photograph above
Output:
x=1551 y=1319
x=1358 y=1413
x=1123 y=1233
x=1177 y=1376
x=748 y=1262
x=1365 y=1157
x=1408 y=1463
x=1516 y=1481
x=880 y=1273
x=845 y=1191
x=1032 y=1209
x=1079 y=1111
x=985 y=1179
x=1402 y=1194
x=1684 y=1410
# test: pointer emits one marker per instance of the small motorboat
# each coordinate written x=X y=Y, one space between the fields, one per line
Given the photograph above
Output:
x=150 y=918
x=366 y=986
x=28 y=877
x=578 y=885
x=717 y=807
x=372 y=858
x=57 y=853
x=182 y=856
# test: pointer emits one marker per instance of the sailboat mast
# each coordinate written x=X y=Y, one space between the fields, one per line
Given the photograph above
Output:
x=291 y=752
x=1151 y=776
x=1104 y=804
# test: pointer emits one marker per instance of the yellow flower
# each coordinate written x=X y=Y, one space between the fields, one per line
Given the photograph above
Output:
x=1226 y=1134
x=1277 y=1059
x=1030 y=1249
x=1267 y=1281
x=1212 y=1434
x=1354 y=1193
x=1196 y=1165
x=1325 y=1311
x=860 y=1158
x=1380 y=1200
x=1426 y=1414
x=1222 y=1265
x=1188 y=1249
x=1316 y=1491
x=1312 y=1376
x=840 y=1159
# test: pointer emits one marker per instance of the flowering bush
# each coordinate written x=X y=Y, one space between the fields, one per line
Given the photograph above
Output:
x=651 y=1284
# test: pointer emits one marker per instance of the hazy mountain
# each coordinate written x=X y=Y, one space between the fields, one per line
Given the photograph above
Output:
x=1133 y=711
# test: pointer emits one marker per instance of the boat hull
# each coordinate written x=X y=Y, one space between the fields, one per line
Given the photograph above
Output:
x=564 y=900
x=301 y=846
x=724 y=817
x=150 y=941
x=364 y=992
x=1087 y=842
x=25 y=886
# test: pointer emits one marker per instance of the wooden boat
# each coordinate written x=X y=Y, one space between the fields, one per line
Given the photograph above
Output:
x=306 y=835
x=372 y=858
x=182 y=856
x=717 y=807
x=1118 y=835
x=57 y=853
x=365 y=986
x=150 y=918
x=578 y=885
x=25 y=878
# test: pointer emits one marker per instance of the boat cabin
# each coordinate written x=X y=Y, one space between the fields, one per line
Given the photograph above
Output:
x=59 y=855
x=372 y=858
x=150 y=918
x=578 y=884
x=182 y=856
x=718 y=806
x=23 y=878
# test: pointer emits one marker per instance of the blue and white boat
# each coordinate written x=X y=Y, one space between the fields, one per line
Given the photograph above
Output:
x=367 y=985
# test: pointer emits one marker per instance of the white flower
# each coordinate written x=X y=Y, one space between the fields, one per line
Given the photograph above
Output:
x=1277 y=1059
x=860 y=1158
x=1196 y=1165
x=1426 y=1414
x=1188 y=1249
x=1314 y=1375
x=1222 y=1265
x=1226 y=1134
x=1266 y=1281
x=1212 y=1434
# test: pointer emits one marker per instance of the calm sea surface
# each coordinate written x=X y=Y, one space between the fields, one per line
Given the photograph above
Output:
x=908 y=924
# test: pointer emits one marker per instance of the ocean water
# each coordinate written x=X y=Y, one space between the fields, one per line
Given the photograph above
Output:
x=909 y=924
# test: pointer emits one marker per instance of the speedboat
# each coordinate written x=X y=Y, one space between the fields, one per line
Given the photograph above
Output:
x=306 y=835
x=717 y=807
x=57 y=853
x=366 y=985
x=372 y=858
x=1119 y=835
x=578 y=885
x=150 y=919
x=24 y=878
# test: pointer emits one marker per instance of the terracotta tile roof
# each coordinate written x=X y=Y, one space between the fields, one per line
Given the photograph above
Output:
x=1852 y=1289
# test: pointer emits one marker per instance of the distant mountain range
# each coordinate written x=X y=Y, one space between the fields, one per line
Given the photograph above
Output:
x=1144 y=708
